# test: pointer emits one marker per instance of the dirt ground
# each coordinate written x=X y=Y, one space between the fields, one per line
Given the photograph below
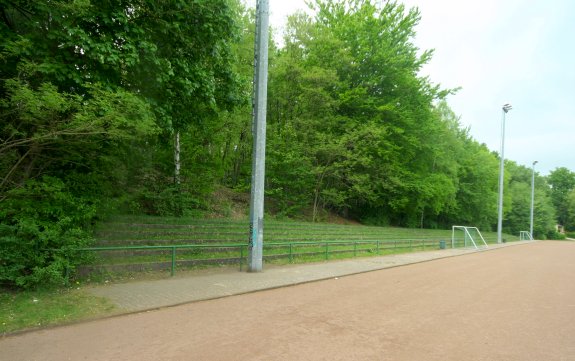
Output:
x=515 y=303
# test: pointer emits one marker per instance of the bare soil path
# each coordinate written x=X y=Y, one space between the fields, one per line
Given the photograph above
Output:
x=515 y=303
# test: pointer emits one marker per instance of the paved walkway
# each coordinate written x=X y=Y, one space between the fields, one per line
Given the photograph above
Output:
x=146 y=295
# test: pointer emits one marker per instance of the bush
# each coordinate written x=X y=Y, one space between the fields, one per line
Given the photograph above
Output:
x=554 y=235
x=40 y=224
x=172 y=201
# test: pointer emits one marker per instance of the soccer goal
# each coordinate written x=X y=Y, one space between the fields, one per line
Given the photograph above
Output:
x=525 y=236
x=467 y=237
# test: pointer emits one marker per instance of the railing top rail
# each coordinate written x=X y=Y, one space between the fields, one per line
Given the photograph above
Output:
x=120 y=248
x=351 y=241
x=236 y=245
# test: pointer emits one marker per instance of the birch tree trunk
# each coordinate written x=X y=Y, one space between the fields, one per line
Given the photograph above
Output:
x=177 y=158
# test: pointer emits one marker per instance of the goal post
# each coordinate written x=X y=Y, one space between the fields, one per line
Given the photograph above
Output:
x=470 y=235
x=525 y=236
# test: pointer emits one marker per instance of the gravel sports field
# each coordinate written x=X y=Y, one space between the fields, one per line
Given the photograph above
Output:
x=514 y=303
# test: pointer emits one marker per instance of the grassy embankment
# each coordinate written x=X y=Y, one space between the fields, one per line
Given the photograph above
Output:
x=218 y=241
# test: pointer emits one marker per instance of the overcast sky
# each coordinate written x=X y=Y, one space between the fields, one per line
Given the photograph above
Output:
x=520 y=52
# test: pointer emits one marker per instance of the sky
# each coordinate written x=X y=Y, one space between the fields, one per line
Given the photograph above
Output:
x=520 y=52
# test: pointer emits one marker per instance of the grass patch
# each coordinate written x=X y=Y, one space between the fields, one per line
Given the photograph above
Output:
x=20 y=310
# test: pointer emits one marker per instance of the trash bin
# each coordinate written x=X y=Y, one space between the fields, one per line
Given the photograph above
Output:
x=441 y=244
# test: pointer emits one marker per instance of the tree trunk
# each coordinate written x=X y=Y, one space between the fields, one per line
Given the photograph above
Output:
x=421 y=220
x=316 y=198
x=177 y=163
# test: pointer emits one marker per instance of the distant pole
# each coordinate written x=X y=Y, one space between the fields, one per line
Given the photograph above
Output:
x=256 y=239
x=532 y=198
x=505 y=108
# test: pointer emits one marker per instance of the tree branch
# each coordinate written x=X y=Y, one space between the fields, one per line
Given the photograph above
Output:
x=20 y=142
x=14 y=167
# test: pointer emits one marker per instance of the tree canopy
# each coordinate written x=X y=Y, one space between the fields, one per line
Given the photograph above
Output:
x=562 y=182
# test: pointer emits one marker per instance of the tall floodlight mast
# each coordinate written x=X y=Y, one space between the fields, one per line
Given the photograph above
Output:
x=505 y=108
x=256 y=237
x=532 y=198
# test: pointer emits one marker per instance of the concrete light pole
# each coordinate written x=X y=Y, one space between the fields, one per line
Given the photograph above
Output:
x=505 y=108
x=532 y=198
x=256 y=237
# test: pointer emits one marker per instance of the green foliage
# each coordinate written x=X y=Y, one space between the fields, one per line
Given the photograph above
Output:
x=571 y=210
x=166 y=200
x=333 y=82
x=290 y=181
x=89 y=93
x=186 y=46
x=83 y=141
x=518 y=218
x=562 y=182
x=517 y=213
x=554 y=235
x=369 y=129
x=544 y=216
x=40 y=224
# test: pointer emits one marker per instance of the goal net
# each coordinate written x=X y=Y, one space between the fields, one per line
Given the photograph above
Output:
x=463 y=236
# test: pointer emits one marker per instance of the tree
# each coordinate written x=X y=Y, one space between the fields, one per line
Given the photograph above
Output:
x=571 y=210
x=348 y=81
x=88 y=94
x=517 y=215
x=544 y=217
x=562 y=182
x=173 y=56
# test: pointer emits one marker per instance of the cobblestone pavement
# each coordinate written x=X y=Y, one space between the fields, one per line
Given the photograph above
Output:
x=147 y=295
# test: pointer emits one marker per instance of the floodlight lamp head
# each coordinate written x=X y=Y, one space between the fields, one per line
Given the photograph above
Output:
x=535 y=162
x=507 y=107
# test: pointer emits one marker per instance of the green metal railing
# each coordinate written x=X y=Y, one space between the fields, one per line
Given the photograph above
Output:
x=172 y=248
x=282 y=250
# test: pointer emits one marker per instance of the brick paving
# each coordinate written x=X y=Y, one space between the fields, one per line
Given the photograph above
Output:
x=147 y=295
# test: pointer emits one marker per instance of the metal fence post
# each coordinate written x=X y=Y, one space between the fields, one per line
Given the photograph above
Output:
x=326 y=251
x=377 y=247
x=355 y=249
x=241 y=257
x=290 y=252
x=173 y=260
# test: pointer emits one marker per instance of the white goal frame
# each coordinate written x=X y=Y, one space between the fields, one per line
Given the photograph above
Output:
x=525 y=236
x=466 y=229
